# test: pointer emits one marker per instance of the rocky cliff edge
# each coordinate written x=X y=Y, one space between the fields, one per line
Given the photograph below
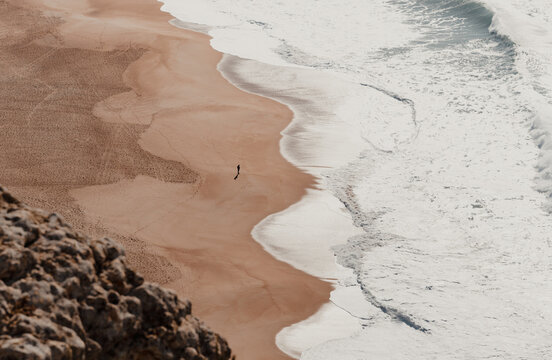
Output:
x=66 y=296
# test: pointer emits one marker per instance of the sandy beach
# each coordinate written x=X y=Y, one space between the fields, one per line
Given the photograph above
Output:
x=122 y=123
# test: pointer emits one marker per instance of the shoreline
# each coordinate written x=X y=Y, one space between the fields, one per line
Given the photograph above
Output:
x=202 y=225
x=305 y=144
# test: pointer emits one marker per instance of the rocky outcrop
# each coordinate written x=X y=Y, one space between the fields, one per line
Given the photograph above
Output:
x=66 y=296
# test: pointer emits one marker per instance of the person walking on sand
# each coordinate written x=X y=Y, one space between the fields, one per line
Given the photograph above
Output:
x=238 y=174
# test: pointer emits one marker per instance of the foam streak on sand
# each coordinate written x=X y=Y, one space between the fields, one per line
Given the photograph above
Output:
x=178 y=108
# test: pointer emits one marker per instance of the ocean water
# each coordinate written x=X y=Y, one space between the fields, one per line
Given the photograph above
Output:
x=427 y=124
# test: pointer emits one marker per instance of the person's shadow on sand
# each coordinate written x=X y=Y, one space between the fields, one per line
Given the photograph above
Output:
x=238 y=174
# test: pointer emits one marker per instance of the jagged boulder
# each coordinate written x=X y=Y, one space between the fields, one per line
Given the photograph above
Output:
x=66 y=296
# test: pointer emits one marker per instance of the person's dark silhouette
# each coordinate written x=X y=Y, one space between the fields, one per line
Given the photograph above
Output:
x=238 y=174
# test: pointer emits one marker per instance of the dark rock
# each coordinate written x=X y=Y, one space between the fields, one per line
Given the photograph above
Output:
x=66 y=296
x=7 y=197
x=15 y=262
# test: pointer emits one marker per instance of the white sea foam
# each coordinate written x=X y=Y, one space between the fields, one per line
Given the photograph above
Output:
x=417 y=122
x=528 y=23
x=326 y=224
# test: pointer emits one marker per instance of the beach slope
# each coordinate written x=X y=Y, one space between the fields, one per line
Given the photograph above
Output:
x=122 y=122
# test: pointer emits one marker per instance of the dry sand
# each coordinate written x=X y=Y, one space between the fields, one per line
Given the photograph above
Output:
x=122 y=122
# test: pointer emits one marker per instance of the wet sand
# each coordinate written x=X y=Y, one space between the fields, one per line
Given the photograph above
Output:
x=122 y=123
